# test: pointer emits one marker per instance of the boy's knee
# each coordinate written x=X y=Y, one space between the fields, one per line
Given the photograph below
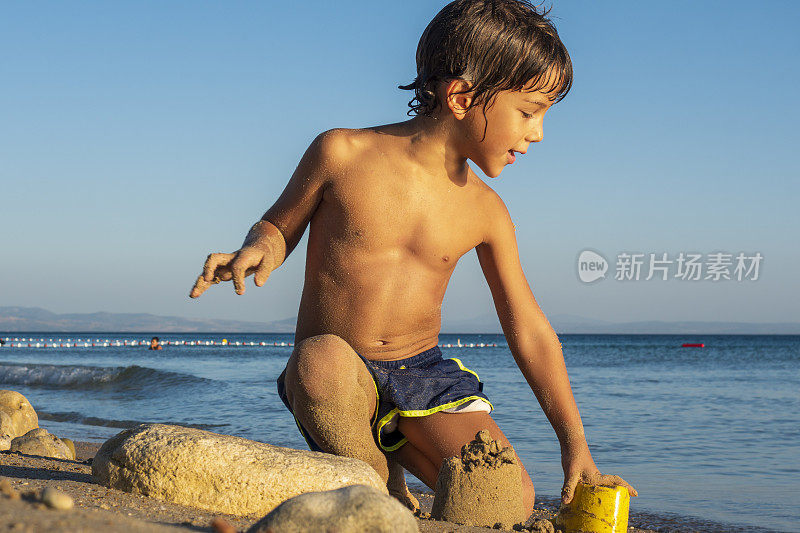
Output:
x=321 y=367
x=317 y=345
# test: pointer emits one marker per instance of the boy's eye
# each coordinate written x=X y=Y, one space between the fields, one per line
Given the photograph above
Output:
x=527 y=115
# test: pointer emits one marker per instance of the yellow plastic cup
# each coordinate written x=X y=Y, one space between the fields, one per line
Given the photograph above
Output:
x=595 y=509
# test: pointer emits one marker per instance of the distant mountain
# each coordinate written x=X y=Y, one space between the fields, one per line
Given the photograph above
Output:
x=14 y=319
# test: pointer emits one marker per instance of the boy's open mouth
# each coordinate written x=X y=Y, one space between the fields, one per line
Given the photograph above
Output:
x=511 y=157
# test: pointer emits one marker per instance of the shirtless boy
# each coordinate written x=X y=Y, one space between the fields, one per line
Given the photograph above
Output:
x=392 y=209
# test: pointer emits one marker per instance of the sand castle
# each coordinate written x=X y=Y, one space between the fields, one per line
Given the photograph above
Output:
x=483 y=487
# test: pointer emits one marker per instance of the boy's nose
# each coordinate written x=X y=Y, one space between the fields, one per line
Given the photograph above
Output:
x=535 y=135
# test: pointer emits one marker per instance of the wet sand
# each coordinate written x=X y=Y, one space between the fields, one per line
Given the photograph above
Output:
x=99 y=508
x=482 y=487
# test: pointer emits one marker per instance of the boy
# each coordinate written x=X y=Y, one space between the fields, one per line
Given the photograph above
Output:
x=392 y=208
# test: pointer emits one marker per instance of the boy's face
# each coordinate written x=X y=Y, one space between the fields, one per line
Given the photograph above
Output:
x=513 y=122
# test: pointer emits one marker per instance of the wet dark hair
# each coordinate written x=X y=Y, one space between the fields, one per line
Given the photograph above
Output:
x=155 y=339
x=495 y=45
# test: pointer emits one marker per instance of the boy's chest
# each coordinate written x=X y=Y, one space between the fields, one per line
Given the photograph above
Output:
x=401 y=215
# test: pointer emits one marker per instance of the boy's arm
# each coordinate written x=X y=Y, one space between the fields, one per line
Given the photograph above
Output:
x=273 y=238
x=536 y=349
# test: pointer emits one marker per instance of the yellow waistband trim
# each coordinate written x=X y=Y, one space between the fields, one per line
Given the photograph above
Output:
x=374 y=416
x=462 y=367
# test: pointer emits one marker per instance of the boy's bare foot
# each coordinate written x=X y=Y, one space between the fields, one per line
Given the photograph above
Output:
x=397 y=486
x=404 y=496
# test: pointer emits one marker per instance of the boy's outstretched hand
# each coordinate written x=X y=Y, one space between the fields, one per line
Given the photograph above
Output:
x=235 y=266
x=581 y=467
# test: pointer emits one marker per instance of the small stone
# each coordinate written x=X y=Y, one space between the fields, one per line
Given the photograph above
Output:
x=220 y=525
x=494 y=447
x=7 y=490
x=39 y=442
x=55 y=499
x=20 y=416
x=543 y=526
x=484 y=436
x=350 y=509
x=507 y=455
x=70 y=445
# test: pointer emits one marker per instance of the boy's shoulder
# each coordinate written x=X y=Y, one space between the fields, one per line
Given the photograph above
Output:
x=360 y=145
x=342 y=144
x=342 y=149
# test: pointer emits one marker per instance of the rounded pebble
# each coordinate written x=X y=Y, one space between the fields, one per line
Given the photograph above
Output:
x=55 y=499
x=70 y=445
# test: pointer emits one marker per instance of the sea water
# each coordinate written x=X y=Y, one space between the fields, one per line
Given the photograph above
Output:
x=709 y=436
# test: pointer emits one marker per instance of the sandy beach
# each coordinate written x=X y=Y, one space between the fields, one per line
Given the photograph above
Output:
x=98 y=508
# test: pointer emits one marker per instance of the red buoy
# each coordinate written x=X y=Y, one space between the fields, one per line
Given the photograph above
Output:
x=692 y=345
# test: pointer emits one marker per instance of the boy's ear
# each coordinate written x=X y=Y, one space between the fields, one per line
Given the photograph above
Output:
x=456 y=99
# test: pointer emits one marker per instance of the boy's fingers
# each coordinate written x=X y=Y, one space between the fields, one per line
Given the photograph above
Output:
x=616 y=481
x=238 y=272
x=569 y=488
x=212 y=262
x=224 y=274
x=262 y=274
x=201 y=285
x=199 y=288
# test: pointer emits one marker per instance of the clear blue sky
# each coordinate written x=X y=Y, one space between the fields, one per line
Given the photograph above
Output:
x=136 y=137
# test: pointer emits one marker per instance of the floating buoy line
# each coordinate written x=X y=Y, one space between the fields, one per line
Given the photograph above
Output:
x=30 y=342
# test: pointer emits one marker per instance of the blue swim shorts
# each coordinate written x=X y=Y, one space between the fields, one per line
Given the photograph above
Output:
x=415 y=386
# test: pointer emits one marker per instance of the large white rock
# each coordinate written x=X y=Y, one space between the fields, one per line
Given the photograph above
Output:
x=352 y=509
x=39 y=442
x=20 y=417
x=220 y=473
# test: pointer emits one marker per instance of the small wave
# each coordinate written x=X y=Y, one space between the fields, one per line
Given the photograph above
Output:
x=79 y=418
x=92 y=377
